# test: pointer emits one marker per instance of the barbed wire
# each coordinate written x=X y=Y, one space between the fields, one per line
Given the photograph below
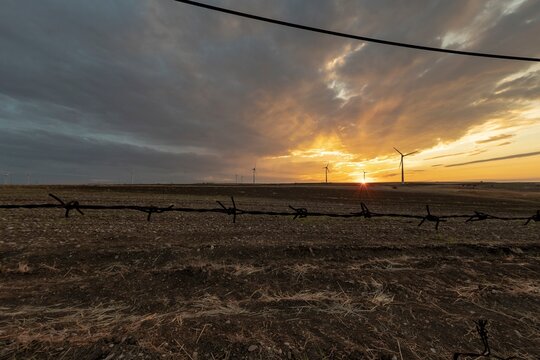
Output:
x=297 y=212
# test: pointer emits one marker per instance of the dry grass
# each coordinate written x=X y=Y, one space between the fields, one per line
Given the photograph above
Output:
x=237 y=269
x=299 y=271
x=391 y=264
x=511 y=286
x=337 y=303
x=381 y=298
x=57 y=324
x=22 y=267
x=520 y=287
x=83 y=325
x=211 y=305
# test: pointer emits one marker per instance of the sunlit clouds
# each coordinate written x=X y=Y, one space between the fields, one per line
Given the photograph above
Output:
x=92 y=92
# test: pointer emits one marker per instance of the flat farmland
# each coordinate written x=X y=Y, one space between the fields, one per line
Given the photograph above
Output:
x=111 y=285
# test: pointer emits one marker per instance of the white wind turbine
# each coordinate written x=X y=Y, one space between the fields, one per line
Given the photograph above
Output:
x=401 y=164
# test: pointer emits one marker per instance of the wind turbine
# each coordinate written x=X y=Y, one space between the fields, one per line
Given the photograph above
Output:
x=364 y=175
x=254 y=171
x=326 y=171
x=401 y=164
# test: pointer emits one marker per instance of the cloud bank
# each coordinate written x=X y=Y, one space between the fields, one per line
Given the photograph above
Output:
x=180 y=94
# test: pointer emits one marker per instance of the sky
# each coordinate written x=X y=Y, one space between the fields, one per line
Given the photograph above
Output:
x=164 y=92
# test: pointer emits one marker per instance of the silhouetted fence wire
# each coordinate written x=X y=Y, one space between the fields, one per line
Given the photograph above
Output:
x=297 y=213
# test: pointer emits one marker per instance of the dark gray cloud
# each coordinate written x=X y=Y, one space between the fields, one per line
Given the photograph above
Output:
x=204 y=95
x=50 y=155
x=514 y=156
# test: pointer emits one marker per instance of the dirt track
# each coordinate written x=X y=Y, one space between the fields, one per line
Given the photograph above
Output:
x=112 y=285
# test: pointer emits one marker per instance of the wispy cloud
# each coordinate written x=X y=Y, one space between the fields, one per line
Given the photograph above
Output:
x=387 y=175
x=495 y=138
x=497 y=158
x=443 y=156
x=477 y=152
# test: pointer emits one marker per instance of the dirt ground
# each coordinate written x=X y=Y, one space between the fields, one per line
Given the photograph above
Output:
x=110 y=285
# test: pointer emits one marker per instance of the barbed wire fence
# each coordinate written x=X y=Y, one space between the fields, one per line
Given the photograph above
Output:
x=296 y=212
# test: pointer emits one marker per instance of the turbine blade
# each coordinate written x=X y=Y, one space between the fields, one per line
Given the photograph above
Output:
x=398 y=151
x=401 y=163
x=414 y=152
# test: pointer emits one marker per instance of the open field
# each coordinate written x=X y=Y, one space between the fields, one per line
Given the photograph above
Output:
x=110 y=285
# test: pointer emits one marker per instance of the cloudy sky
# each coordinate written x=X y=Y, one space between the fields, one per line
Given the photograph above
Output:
x=94 y=91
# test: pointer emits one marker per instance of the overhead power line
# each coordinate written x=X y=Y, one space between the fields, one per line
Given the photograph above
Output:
x=358 y=37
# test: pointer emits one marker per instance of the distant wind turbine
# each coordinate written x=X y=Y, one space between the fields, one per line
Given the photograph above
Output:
x=401 y=164
x=364 y=176
x=326 y=171
x=254 y=171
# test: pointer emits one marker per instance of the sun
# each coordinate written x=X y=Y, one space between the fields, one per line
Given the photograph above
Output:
x=362 y=179
x=362 y=182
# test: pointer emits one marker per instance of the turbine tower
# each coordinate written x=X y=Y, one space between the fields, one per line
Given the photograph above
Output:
x=254 y=171
x=364 y=175
x=326 y=171
x=401 y=164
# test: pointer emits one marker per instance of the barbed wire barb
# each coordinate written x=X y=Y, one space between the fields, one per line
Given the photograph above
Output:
x=153 y=209
x=535 y=218
x=365 y=213
x=299 y=212
x=432 y=218
x=231 y=210
x=478 y=216
x=72 y=205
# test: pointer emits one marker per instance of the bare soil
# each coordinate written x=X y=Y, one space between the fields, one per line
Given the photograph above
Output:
x=110 y=285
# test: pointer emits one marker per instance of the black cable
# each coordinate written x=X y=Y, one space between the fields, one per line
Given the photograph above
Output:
x=357 y=37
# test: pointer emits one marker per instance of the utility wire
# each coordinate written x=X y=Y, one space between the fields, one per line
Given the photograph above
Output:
x=357 y=37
